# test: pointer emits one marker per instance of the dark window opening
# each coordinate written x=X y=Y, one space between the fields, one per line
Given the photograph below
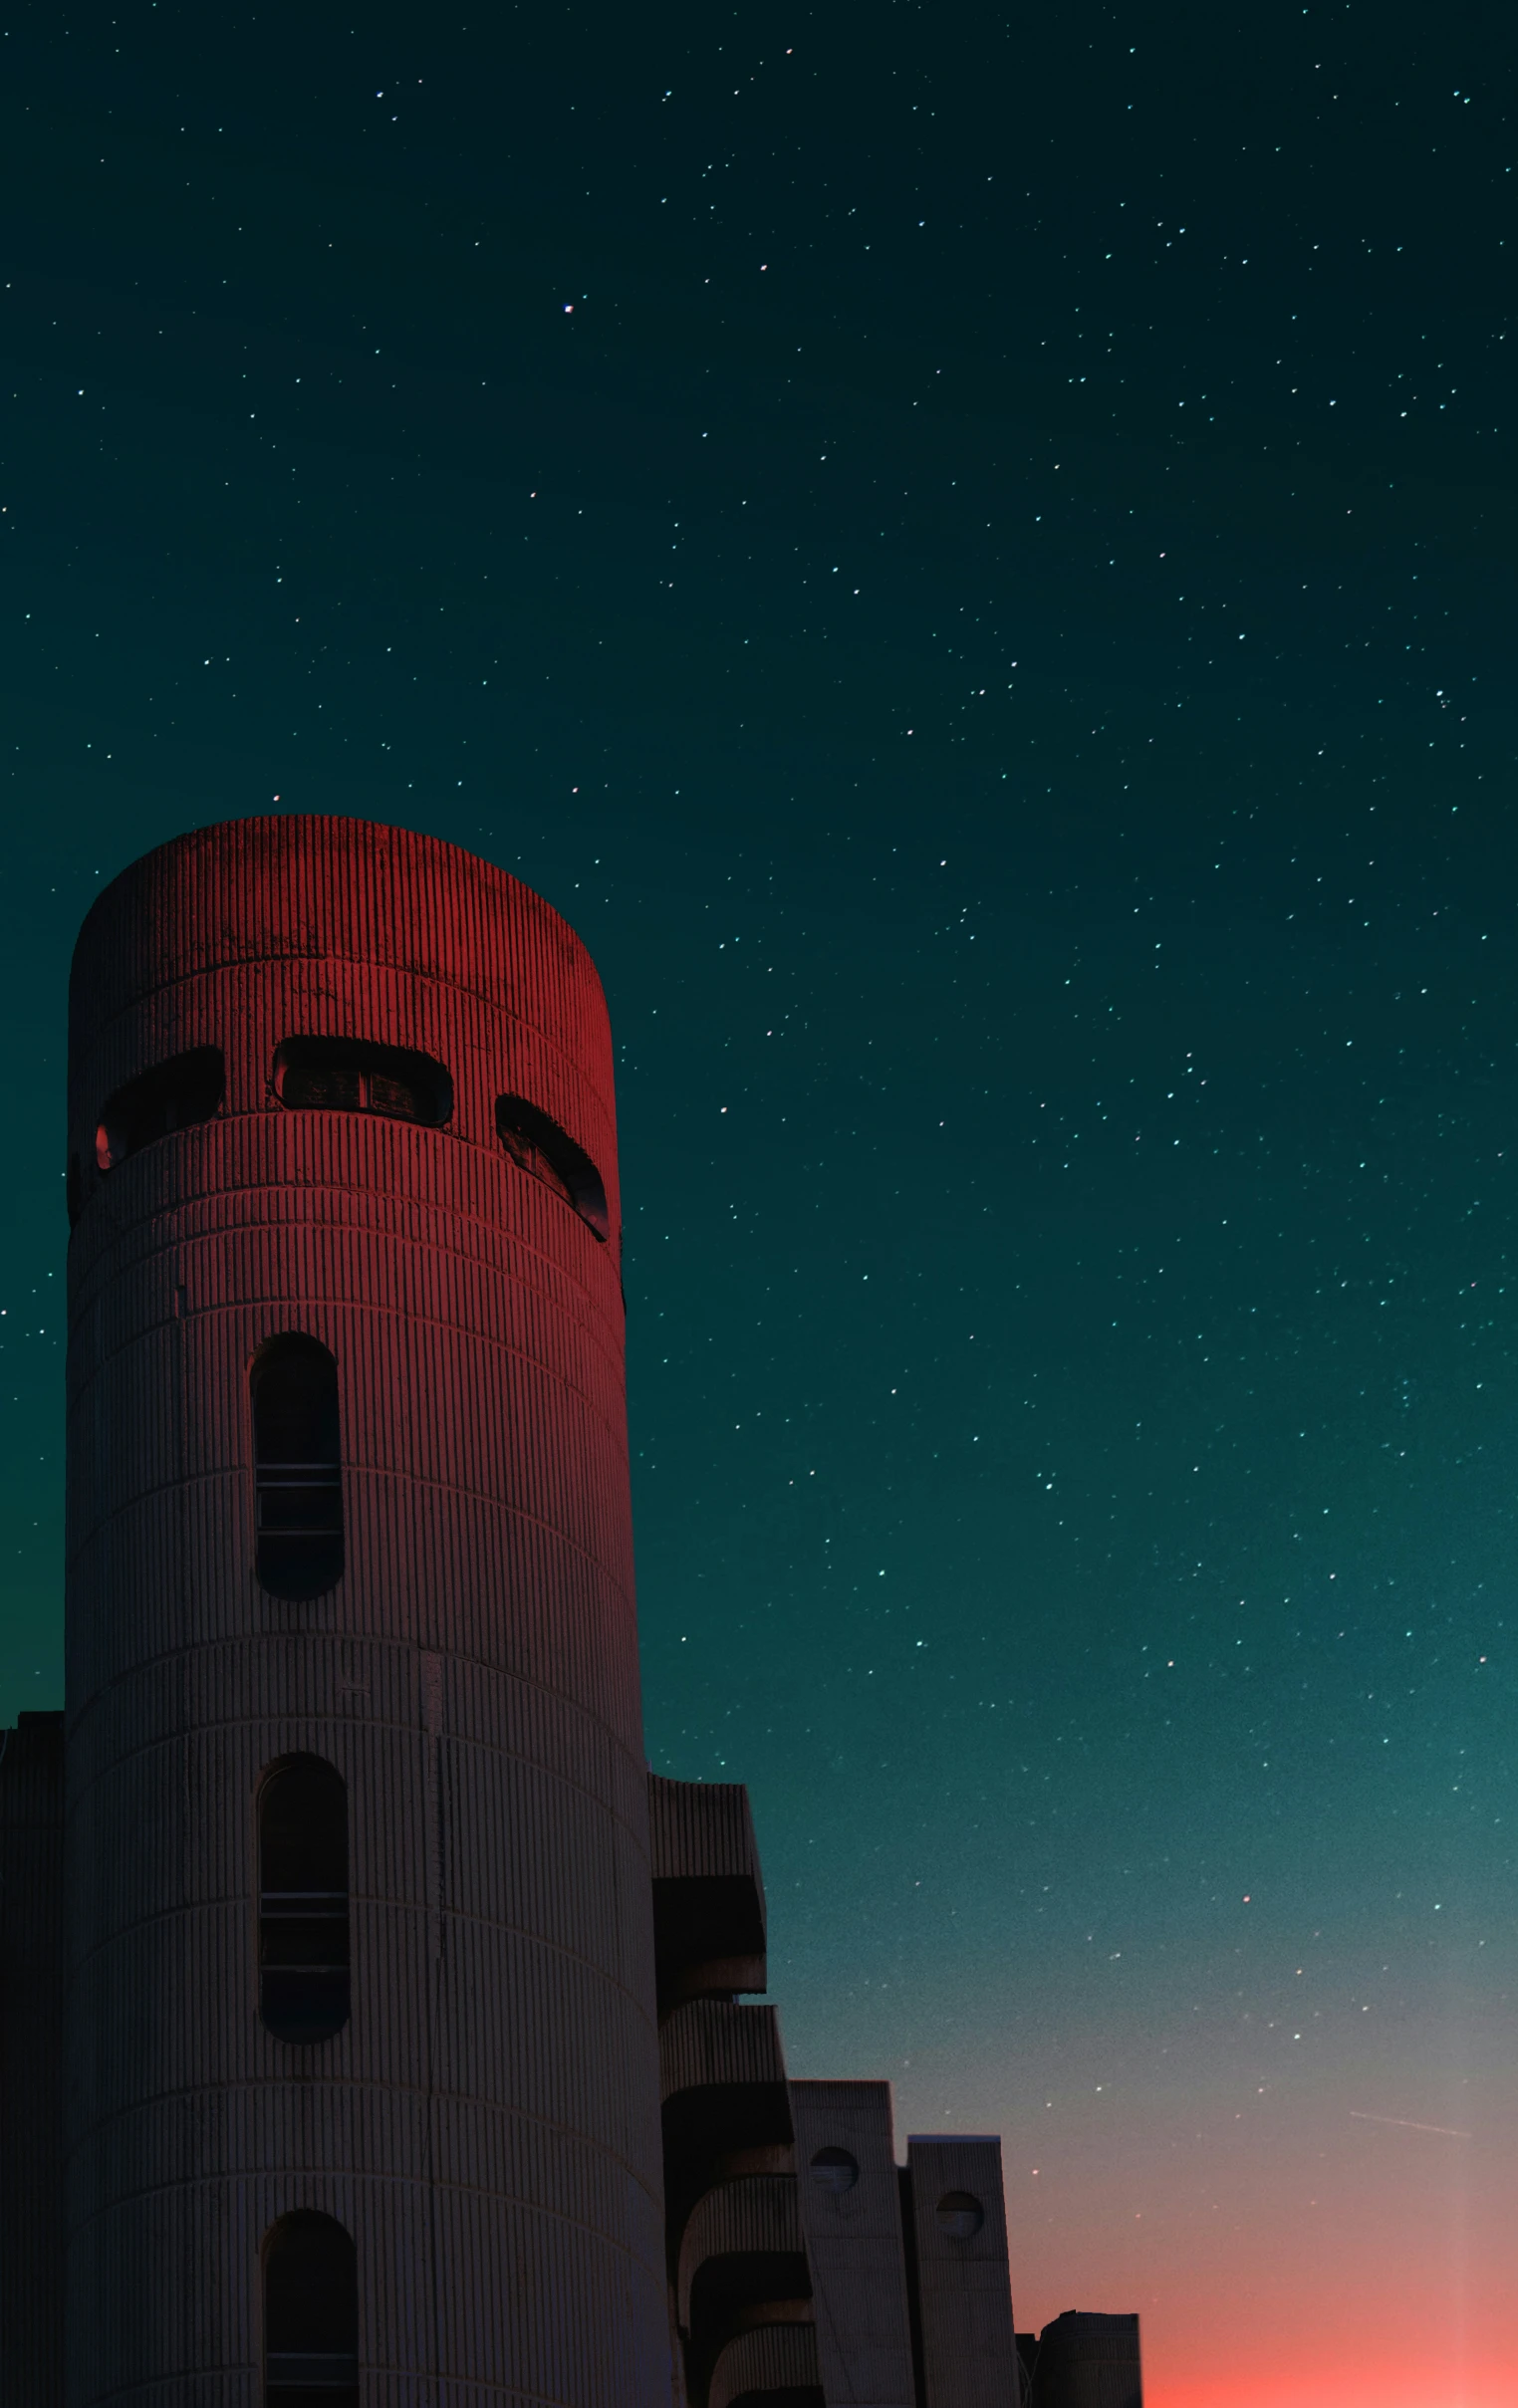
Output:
x=960 y=2214
x=297 y=1468
x=172 y=1094
x=538 y=1145
x=836 y=2170
x=303 y=1962
x=311 y=2314
x=744 y=2292
x=349 y=1075
x=714 y=2120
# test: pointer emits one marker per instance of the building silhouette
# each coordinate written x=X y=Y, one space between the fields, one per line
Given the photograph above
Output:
x=373 y=2027
x=1088 y=2361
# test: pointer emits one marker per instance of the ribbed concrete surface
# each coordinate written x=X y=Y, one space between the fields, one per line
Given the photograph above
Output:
x=965 y=2295
x=727 y=2114
x=753 y=2213
x=702 y=1831
x=31 y=2062
x=708 y=1894
x=1089 y=2361
x=853 y=2243
x=710 y=2044
x=487 y=2123
x=775 y=2363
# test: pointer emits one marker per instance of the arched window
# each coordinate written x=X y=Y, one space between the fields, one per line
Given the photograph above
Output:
x=303 y=1981
x=350 y=1074
x=297 y=1467
x=311 y=2314
x=538 y=1145
x=172 y=1094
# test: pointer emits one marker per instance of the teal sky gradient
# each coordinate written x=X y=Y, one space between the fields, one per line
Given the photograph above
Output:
x=1016 y=696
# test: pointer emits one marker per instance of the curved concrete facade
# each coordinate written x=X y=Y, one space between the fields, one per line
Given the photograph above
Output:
x=486 y=2124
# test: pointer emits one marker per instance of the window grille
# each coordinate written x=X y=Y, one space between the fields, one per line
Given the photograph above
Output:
x=172 y=1094
x=311 y=2314
x=349 y=1075
x=303 y=1951
x=541 y=1147
x=297 y=1468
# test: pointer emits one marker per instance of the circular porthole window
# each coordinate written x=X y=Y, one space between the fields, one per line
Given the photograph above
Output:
x=835 y=2170
x=960 y=2214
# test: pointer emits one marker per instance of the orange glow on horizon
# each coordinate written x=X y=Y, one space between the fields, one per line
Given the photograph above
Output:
x=1406 y=2381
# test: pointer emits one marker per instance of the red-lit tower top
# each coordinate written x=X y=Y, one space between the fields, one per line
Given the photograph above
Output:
x=361 y=1956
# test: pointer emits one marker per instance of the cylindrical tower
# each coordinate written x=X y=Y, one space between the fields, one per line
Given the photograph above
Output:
x=362 y=2075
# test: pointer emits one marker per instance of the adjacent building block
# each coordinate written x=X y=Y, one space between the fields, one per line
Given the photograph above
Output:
x=851 y=2214
x=967 y=2355
x=1088 y=2361
x=708 y=1894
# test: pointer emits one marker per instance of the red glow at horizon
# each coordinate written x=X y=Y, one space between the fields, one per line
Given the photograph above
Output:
x=1397 y=2382
x=1288 y=2240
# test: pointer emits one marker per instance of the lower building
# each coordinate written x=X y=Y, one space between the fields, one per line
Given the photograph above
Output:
x=1027 y=2360
x=1088 y=2361
x=805 y=2265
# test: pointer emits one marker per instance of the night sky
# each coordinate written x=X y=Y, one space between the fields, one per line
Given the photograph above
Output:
x=972 y=554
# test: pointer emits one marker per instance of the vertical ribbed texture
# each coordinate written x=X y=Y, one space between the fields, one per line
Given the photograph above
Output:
x=777 y=2364
x=854 y=2244
x=31 y=2062
x=702 y=1829
x=746 y=2213
x=714 y=2044
x=1089 y=2361
x=964 y=2293
x=487 y=2123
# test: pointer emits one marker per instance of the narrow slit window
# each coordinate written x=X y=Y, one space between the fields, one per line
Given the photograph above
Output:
x=297 y=1468
x=349 y=1075
x=541 y=1147
x=311 y=2314
x=172 y=1094
x=303 y=1953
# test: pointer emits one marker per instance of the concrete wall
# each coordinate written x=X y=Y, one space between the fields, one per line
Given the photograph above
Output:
x=31 y=2062
x=852 y=2227
x=969 y=2357
x=1085 y=2360
x=486 y=2125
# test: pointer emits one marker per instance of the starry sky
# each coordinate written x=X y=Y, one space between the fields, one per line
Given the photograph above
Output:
x=970 y=551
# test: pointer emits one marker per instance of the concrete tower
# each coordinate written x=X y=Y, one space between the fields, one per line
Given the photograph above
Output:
x=362 y=2068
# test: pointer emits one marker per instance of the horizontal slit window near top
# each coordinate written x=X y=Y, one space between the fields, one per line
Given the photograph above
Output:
x=173 y=1094
x=349 y=1075
x=539 y=1147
